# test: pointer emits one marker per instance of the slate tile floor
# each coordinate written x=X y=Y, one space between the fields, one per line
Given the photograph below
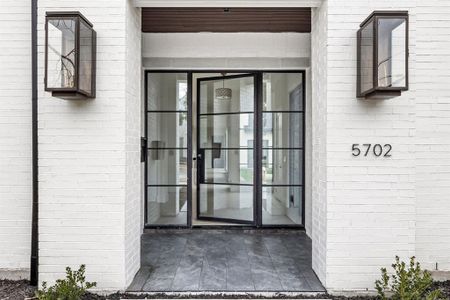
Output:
x=226 y=260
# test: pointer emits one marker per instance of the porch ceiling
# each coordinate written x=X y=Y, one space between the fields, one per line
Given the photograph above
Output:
x=227 y=3
x=234 y=19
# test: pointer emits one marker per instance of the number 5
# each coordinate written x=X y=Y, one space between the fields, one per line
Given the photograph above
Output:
x=356 y=148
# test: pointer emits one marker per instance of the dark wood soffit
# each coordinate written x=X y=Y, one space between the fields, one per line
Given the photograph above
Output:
x=207 y=19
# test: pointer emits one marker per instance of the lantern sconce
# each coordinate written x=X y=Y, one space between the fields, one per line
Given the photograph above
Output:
x=70 y=56
x=382 y=55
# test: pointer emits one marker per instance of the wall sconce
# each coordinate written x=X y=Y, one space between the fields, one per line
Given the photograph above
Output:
x=70 y=55
x=382 y=55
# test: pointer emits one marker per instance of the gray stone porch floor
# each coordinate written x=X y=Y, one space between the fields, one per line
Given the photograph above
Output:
x=226 y=260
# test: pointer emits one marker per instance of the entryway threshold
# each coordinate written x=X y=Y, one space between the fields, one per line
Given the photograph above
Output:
x=228 y=295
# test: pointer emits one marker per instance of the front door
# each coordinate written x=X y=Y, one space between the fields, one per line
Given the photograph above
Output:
x=226 y=149
x=248 y=130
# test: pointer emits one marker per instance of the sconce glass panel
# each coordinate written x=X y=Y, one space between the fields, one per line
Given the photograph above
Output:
x=391 y=52
x=61 y=57
x=86 y=57
x=367 y=54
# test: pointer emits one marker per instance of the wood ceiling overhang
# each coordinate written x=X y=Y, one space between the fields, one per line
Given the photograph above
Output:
x=213 y=19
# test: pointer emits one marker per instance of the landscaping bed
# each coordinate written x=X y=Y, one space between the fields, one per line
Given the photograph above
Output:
x=15 y=289
x=20 y=289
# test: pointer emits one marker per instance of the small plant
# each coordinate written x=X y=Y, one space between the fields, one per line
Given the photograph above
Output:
x=407 y=283
x=73 y=287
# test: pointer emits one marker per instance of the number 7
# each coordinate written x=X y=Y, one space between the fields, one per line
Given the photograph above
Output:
x=368 y=148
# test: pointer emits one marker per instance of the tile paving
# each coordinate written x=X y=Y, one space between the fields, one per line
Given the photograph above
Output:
x=226 y=260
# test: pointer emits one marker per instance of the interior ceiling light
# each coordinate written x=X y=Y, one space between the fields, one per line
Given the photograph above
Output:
x=223 y=93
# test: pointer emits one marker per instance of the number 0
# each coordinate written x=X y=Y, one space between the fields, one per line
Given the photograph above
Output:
x=377 y=150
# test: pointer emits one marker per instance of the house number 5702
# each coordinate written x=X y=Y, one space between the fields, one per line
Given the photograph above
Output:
x=376 y=149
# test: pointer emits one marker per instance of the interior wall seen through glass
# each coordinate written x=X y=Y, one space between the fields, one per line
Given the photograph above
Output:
x=167 y=127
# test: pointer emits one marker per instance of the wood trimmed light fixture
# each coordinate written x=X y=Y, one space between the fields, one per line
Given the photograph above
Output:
x=382 y=55
x=70 y=56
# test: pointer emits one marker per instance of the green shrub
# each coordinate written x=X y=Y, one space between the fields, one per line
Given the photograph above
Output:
x=407 y=283
x=73 y=287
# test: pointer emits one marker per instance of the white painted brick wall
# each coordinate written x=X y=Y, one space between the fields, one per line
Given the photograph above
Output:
x=133 y=221
x=89 y=163
x=370 y=201
x=319 y=132
x=15 y=135
x=433 y=134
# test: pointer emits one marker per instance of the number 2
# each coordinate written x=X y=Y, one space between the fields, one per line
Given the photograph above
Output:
x=387 y=152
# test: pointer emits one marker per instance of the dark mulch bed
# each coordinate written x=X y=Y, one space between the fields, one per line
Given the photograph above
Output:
x=444 y=286
x=19 y=290
x=15 y=289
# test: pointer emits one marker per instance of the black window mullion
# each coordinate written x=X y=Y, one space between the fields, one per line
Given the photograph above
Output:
x=283 y=111
x=166 y=111
x=227 y=113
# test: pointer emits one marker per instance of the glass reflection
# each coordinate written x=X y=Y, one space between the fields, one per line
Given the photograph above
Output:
x=391 y=52
x=366 y=67
x=282 y=92
x=61 y=53
x=282 y=205
x=167 y=166
x=167 y=92
x=242 y=99
x=167 y=130
x=226 y=131
x=229 y=166
x=85 y=57
x=167 y=205
x=226 y=201
x=283 y=130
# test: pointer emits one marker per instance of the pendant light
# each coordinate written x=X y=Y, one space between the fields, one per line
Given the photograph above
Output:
x=223 y=93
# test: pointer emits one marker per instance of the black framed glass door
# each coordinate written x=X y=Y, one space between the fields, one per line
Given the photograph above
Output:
x=248 y=130
x=226 y=149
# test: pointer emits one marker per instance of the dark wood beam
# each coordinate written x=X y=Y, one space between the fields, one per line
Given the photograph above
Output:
x=211 y=19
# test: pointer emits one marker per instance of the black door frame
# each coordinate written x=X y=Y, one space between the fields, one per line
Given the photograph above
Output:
x=258 y=149
x=255 y=147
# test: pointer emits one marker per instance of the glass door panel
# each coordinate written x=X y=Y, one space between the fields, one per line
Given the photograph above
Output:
x=282 y=163
x=168 y=158
x=225 y=151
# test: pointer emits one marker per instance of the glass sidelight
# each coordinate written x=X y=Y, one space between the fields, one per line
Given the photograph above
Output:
x=168 y=153
x=282 y=152
x=225 y=166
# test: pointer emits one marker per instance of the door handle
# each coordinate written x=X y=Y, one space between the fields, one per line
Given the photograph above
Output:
x=201 y=166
